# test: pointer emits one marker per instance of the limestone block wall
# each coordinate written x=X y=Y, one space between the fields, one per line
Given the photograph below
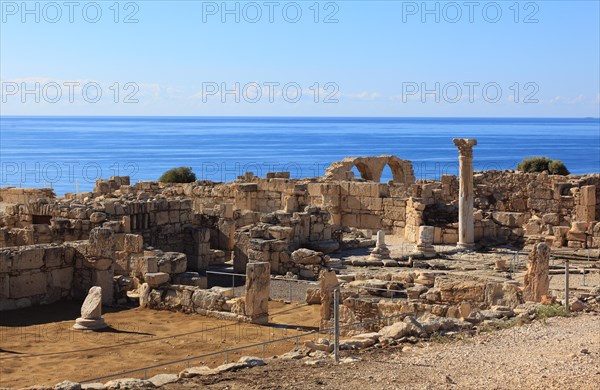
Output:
x=103 y=186
x=509 y=206
x=278 y=234
x=34 y=274
x=357 y=204
x=513 y=206
x=45 y=273
x=448 y=298
x=160 y=221
x=563 y=208
x=12 y=195
x=197 y=247
x=538 y=193
x=248 y=193
x=186 y=299
x=363 y=205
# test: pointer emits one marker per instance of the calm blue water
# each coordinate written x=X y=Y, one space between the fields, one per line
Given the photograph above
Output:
x=62 y=150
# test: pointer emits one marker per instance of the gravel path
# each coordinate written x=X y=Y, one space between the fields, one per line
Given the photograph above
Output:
x=561 y=353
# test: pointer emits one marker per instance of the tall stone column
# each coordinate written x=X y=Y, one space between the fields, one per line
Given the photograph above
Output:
x=466 y=231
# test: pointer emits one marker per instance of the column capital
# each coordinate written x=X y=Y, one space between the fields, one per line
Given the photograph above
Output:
x=465 y=146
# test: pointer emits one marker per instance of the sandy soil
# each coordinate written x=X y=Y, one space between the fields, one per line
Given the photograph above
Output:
x=39 y=346
x=560 y=353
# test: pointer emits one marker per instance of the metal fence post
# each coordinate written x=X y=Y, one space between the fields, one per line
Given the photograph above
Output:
x=336 y=324
x=567 y=284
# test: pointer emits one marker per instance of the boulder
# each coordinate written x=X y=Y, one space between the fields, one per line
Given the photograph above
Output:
x=97 y=217
x=163 y=379
x=196 y=371
x=398 y=330
x=307 y=256
x=67 y=385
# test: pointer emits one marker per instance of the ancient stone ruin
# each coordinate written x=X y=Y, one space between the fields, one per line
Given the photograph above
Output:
x=439 y=255
x=123 y=235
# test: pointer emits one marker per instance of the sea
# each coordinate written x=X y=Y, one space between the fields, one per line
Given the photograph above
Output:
x=70 y=153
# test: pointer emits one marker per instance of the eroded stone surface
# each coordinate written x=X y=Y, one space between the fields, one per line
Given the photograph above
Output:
x=91 y=311
x=536 y=282
x=258 y=279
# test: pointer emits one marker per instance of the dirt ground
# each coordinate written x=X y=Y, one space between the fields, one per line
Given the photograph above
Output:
x=39 y=346
x=560 y=353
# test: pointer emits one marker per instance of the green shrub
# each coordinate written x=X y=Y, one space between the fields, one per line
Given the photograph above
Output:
x=541 y=164
x=556 y=167
x=178 y=175
x=547 y=311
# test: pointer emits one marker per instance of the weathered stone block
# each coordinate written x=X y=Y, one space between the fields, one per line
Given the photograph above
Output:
x=28 y=258
x=207 y=300
x=258 y=279
x=27 y=285
x=551 y=219
x=133 y=243
x=155 y=279
x=5 y=261
x=4 y=286
x=536 y=280
x=459 y=291
x=62 y=278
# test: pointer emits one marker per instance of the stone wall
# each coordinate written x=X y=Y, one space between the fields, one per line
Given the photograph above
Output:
x=35 y=274
x=12 y=195
x=45 y=273
x=440 y=296
x=511 y=207
x=537 y=193
x=215 y=302
x=160 y=221
x=279 y=234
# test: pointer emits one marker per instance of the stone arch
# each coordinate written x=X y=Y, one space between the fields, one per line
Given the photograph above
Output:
x=401 y=172
x=365 y=170
x=371 y=168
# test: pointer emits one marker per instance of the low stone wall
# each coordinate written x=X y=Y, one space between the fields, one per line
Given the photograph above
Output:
x=160 y=221
x=12 y=195
x=446 y=297
x=36 y=274
x=45 y=273
x=534 y=192
x=215 y=302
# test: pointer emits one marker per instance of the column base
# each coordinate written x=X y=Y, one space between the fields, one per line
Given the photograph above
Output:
x=462 y=247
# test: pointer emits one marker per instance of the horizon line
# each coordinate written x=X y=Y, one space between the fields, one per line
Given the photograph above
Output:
x=295 y=117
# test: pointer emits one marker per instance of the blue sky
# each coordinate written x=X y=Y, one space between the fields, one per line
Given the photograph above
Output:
x=375 y=58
